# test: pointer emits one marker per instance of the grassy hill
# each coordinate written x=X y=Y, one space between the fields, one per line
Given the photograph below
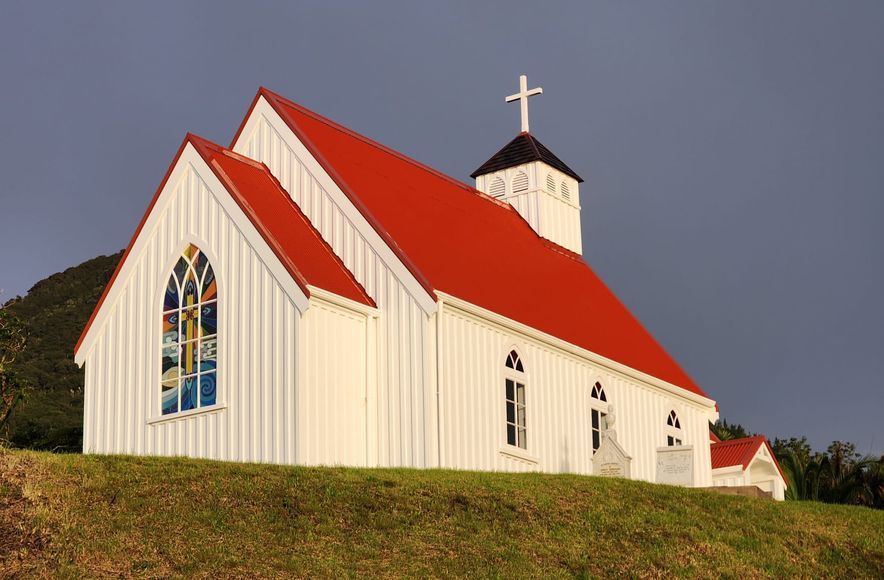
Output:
x=74 y=515
x=55 y=311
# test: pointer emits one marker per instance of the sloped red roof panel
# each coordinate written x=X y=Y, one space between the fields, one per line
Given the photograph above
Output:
x=740 y=452
x=735 y=452
x=277 y=217
x=279 y=220
x=479 y=249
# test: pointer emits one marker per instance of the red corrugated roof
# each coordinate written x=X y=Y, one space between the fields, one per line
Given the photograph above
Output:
x=740 y=452
x=455 y=239
x=281 y=223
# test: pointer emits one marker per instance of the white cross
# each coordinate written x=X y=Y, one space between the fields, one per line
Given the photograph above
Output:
x=522 y=96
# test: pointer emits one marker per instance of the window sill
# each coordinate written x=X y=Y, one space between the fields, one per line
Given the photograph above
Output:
x=518 y=453
x=186 y=414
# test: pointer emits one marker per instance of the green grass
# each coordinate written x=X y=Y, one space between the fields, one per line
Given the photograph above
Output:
x=73 y=515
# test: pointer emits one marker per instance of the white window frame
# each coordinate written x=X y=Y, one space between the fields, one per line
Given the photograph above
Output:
x=517 y=377
x=674 y=433
x=597 y=406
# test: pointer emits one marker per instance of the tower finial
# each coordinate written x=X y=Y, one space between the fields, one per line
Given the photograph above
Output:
x=522 y=97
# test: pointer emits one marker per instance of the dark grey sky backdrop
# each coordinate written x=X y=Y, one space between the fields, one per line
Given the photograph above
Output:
x=733 y=153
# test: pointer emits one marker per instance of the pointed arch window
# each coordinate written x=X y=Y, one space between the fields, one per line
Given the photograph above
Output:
x=598 y=406
x=516 y=424
x=673 y=429
x=190 y=335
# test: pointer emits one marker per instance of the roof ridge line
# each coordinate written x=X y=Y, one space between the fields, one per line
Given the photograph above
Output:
x=368 y=141
x=314 y=231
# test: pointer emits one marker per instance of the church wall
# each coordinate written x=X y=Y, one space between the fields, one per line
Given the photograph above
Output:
x=558 y=389
x=405 y=407
x=332 y=400
x=258 y=327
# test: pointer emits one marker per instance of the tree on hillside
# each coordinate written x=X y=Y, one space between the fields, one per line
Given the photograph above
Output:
x=838 y=476
x=13 y=339
x=799 y=446
x=727 y=431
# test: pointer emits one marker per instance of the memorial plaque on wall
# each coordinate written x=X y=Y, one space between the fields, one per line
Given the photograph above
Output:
x=675 y=465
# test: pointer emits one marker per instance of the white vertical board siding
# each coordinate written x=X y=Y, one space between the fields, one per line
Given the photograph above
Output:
x=558 y=386
x=257 y=346
x=332 y=399
x=405 y=413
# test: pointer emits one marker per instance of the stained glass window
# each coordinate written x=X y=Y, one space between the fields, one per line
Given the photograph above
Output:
x=190 y=340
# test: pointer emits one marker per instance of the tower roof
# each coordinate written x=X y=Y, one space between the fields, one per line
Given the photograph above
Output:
x=525 y=148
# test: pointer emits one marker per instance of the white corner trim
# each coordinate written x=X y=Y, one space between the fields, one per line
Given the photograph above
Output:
x=265 y=110
x=581 y=353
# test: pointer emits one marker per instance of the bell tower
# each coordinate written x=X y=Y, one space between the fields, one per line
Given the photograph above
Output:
x=534 y=181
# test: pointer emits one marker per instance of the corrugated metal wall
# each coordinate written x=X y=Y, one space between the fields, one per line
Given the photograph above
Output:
x=557 y=396
x=257 y=350
x=331 y=425
x=406 y=412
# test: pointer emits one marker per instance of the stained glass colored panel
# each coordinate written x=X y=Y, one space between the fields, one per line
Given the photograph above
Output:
x=170 y=325
x=208 y=354
x=169 y=402
x=189 y=290
x=189 y=321
x=208 y=319
x=170 y=300
x=210 y=287
x=170 y=364
x=181 y=269
x=208 y=389
x=200 y=265
x=189 y=394
x=189 y=358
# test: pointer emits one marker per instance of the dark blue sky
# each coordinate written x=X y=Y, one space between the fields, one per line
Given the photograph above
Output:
x=733 y=153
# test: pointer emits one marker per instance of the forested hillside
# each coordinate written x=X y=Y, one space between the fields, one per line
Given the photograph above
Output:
x=54 y=312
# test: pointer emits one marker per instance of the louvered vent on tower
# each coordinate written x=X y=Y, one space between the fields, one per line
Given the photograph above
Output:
x=550 y=183
x=566 y=193
x=520 y=182
x=498 y=188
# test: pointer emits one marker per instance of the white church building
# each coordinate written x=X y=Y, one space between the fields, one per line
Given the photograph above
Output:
x=308 y=296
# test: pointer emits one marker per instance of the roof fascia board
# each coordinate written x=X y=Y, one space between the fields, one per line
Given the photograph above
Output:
x=342 y=302
x=728 y=470
x=579 y=352
x=188 y=158
x=263 y=109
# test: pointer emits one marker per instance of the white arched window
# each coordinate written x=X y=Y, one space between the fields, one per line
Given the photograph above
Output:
x=673 y=429
x=515 y=401
x=598 y=407
x=189 y=335
x=520 y=182
x=498 y=188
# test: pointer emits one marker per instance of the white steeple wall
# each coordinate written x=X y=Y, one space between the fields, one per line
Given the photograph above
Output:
x=548 y=199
